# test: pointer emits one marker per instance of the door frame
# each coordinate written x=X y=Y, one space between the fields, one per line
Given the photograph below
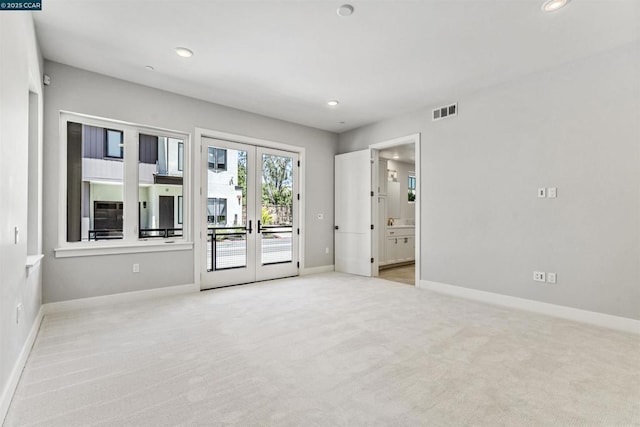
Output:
x=409 y=139
x=196 y=154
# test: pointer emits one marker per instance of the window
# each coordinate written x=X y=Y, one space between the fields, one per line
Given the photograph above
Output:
x=217 y=211
x=103 y=201
x=93 y=181
x=217 y=159
x=160 y=186
x=411 y=197
x=114 y=143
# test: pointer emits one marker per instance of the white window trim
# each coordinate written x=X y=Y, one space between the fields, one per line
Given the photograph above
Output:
x=131 y=243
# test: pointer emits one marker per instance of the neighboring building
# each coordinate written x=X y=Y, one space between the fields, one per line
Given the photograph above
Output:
x=224 y=197
x=160 y=185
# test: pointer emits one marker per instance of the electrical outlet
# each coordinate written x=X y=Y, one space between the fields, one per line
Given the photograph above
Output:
x=542 y=193
x=326 y=250
x=136 y=268
x=551 y=277
x=539 y=276
x=18 y=312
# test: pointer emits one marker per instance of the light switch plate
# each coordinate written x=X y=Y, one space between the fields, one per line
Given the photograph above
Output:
x=542 y=192
x=551 y=277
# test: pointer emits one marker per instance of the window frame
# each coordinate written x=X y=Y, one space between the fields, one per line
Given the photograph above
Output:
x=216 y=203
x=131 y=242
x=411 y=176
x=216 y=168
x=106 y=144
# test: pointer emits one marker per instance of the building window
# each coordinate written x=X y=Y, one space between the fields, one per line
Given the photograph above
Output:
x=103 y=199
x=217 y=211
x=411 y=196
x=114 y=141
x=180 y=156
x=217 y=159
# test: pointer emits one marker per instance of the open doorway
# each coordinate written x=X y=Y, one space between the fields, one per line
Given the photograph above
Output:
x=397 y=212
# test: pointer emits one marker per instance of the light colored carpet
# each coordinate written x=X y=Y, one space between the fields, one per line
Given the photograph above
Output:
x=325 y=350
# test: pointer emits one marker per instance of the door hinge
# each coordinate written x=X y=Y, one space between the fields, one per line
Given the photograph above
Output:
x=298 y=264
x=371 y=260
x=298 y=231
x=298 y=163
x=298 y=196
x=372 y=194
x=372 y=226
x=201 y=191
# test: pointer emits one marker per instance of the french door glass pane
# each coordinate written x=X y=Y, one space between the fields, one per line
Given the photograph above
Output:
x=277 y=209
x=226 y=209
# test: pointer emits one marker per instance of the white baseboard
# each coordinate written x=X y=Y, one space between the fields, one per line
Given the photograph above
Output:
x=76 y=304
x=16 y=372
x=317 y=270
x=591 y=317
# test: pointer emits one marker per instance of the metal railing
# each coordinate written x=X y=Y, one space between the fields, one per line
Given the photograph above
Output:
x=227 y=248
x=145 y=233
x=159 y=233
x=105 y=234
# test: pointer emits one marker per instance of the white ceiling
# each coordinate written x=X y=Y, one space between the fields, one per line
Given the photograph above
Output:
x=401 y=153
x=285 y=59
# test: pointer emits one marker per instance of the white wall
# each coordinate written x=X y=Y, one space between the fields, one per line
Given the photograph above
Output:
x=19 y=74
x=85 y=92
x=575 y=127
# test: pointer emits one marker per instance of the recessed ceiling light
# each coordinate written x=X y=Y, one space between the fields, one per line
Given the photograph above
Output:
x=395 y=156
x=345 y=10
x=149 y=67
x=184 y=52
x=332 y=103
x=553 y=5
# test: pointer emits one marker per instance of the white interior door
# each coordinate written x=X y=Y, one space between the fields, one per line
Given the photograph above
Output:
x=353 y=199
x=250 y=228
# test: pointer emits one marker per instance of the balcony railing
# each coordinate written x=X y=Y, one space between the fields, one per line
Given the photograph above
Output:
x=145 y=233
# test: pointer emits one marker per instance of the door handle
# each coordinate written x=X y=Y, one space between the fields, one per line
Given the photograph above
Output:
x=259 y=227
x=250 y=229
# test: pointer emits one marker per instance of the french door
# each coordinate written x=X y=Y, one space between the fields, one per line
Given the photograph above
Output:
x=250 y=213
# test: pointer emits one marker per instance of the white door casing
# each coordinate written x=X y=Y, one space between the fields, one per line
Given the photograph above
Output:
x=237 y=251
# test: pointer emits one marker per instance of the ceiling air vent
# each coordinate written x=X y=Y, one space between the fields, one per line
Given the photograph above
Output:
x=444 y=112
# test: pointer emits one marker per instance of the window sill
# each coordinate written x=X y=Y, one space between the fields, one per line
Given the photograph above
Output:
x=33 y=260
x=131 y=248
